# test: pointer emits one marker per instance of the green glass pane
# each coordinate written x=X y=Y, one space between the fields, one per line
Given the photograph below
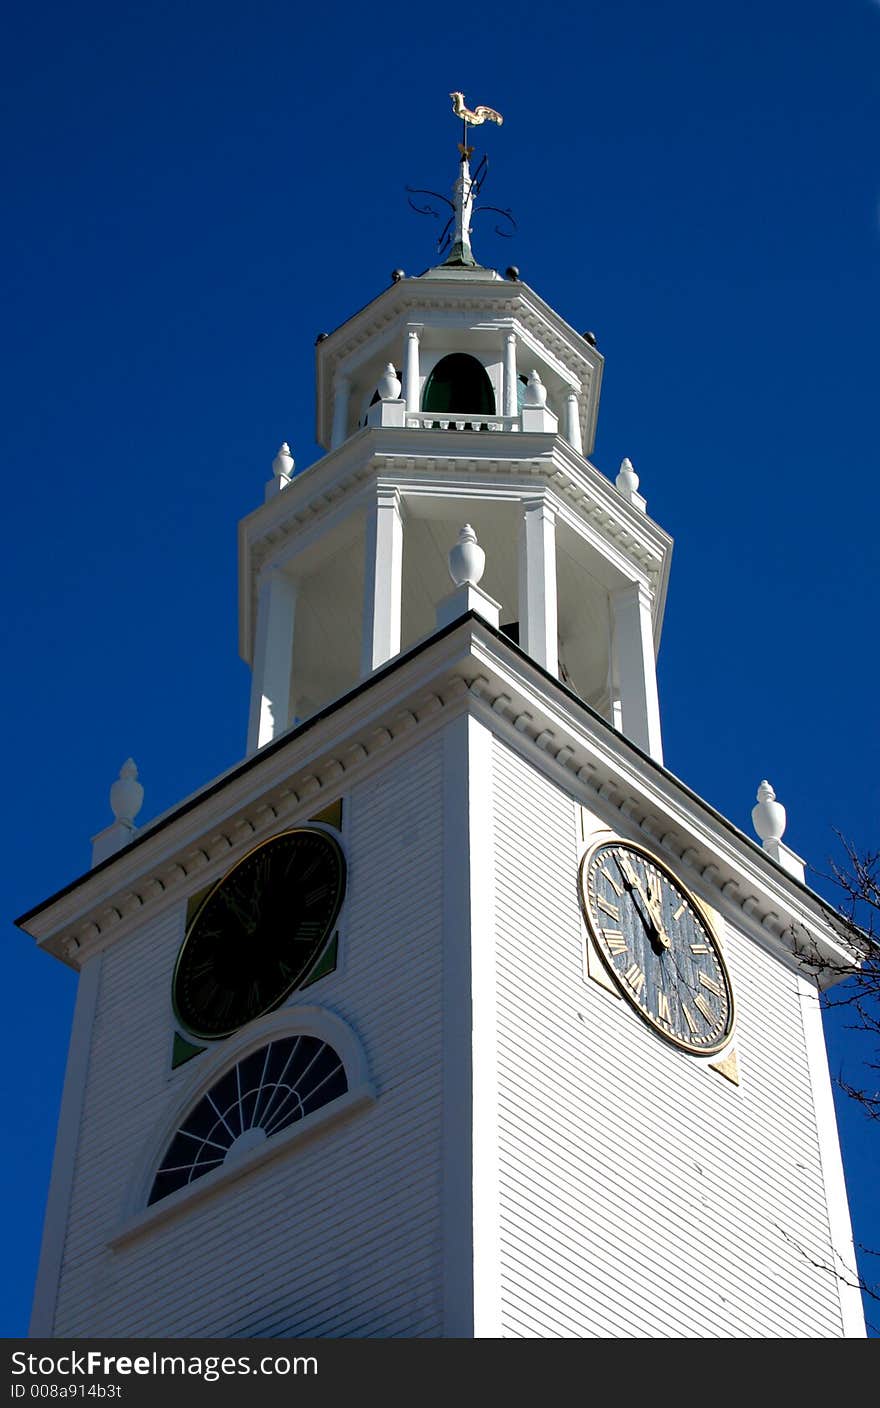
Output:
x=194 y=901
x=183 y=1051
x=331 y=816
x=325 y=964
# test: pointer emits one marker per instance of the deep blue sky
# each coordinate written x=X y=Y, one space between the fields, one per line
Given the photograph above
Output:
x=194 y=192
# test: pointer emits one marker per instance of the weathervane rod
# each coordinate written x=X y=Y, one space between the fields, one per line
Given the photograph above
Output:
x=464 y=186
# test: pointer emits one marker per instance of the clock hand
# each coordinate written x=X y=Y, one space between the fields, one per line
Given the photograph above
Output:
x=656 y=909
x=652 y=920
x=243 y=915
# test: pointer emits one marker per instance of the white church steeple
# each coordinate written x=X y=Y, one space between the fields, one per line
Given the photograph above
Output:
x=448 y=1011
x=455 y=395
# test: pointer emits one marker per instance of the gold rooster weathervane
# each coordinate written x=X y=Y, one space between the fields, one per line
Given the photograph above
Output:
x=457 y=230
x=472 y=118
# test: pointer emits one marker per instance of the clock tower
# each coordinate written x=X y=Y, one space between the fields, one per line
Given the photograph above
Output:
x=449 y=1011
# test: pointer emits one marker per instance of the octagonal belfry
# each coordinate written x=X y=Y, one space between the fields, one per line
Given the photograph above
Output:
x=454 y=397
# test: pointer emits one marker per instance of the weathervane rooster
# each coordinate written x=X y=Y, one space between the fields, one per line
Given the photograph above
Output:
x=471 y=119
x=478 y=116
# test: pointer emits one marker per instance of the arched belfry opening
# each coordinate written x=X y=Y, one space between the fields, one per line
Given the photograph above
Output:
x=459 y=385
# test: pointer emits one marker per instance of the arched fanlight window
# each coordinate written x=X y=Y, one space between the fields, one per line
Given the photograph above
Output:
x=260 y=1096
x=459 y=385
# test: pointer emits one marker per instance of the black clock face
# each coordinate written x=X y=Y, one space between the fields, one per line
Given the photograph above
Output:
x=259 y=932
x=657 y=946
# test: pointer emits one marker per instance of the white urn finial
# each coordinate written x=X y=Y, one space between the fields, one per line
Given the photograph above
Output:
x=467 y=561
x=535 y=393
x=768 y=817
x=389 y=384
x=627 y=480
x=126 y=794
x=282 y=465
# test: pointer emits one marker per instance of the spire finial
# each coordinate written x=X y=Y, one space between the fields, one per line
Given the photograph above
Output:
x=768 y=817
x=467 y=560
x=127 y=794
x=283 y=465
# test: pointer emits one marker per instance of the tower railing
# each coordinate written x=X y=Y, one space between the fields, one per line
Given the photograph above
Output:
x=437 y=420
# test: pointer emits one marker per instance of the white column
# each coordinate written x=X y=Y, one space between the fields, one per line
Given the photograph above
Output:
x=636 y=668
x=341 y=390
x=383 y=580
x=573 y=422
x=537 y=585
x=411 y=370
x=273 y=658
x=509 y=401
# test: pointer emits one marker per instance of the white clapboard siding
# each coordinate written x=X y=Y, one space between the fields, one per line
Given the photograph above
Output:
x=641 y=1194
x=340 y=1235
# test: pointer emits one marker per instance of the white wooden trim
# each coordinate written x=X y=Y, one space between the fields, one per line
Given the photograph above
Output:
x=537 y=584
x=840 y=1225
x=636 y=668
x=273 y=652
x=458 y=1192
x=484 y=1000
x=471 y=1215
x=383 y=580
x=66 y=1142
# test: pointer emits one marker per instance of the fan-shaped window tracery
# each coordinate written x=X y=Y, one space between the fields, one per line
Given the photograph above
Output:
x=263 y=1094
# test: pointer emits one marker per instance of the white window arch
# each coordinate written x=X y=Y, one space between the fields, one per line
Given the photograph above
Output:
x=303 y=1069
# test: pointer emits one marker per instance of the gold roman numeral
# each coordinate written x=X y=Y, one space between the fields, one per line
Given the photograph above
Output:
x=636 y=978
x=663 y=1007
x=689 y=1017
x=681 y=909
x=700 y=1001
x=711 y=984
x=699 y=948
x=611 y=880
x=615 y=941
x=608 y=906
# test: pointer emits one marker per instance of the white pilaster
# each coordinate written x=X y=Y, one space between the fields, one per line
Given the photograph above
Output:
x=636 y=668
x=573 y=422
x=538 y=631
x=341 y=392
x=66 y=1142
x=411 y=370
x=273 y=658
x=845 y=1267
x=383 y=578
x=510 y=377
x=471 y=1199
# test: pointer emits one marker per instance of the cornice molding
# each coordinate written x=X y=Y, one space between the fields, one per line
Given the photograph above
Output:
x=468 y=666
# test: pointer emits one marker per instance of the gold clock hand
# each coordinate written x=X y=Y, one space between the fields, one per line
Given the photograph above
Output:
x=634 y=885
x=654 y=905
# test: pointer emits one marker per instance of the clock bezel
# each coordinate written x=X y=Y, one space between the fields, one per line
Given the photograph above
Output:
x=341 y=877
x=703 y=915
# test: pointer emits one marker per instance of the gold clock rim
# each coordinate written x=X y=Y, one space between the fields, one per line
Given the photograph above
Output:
x=612 y=839
x=337 y=905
